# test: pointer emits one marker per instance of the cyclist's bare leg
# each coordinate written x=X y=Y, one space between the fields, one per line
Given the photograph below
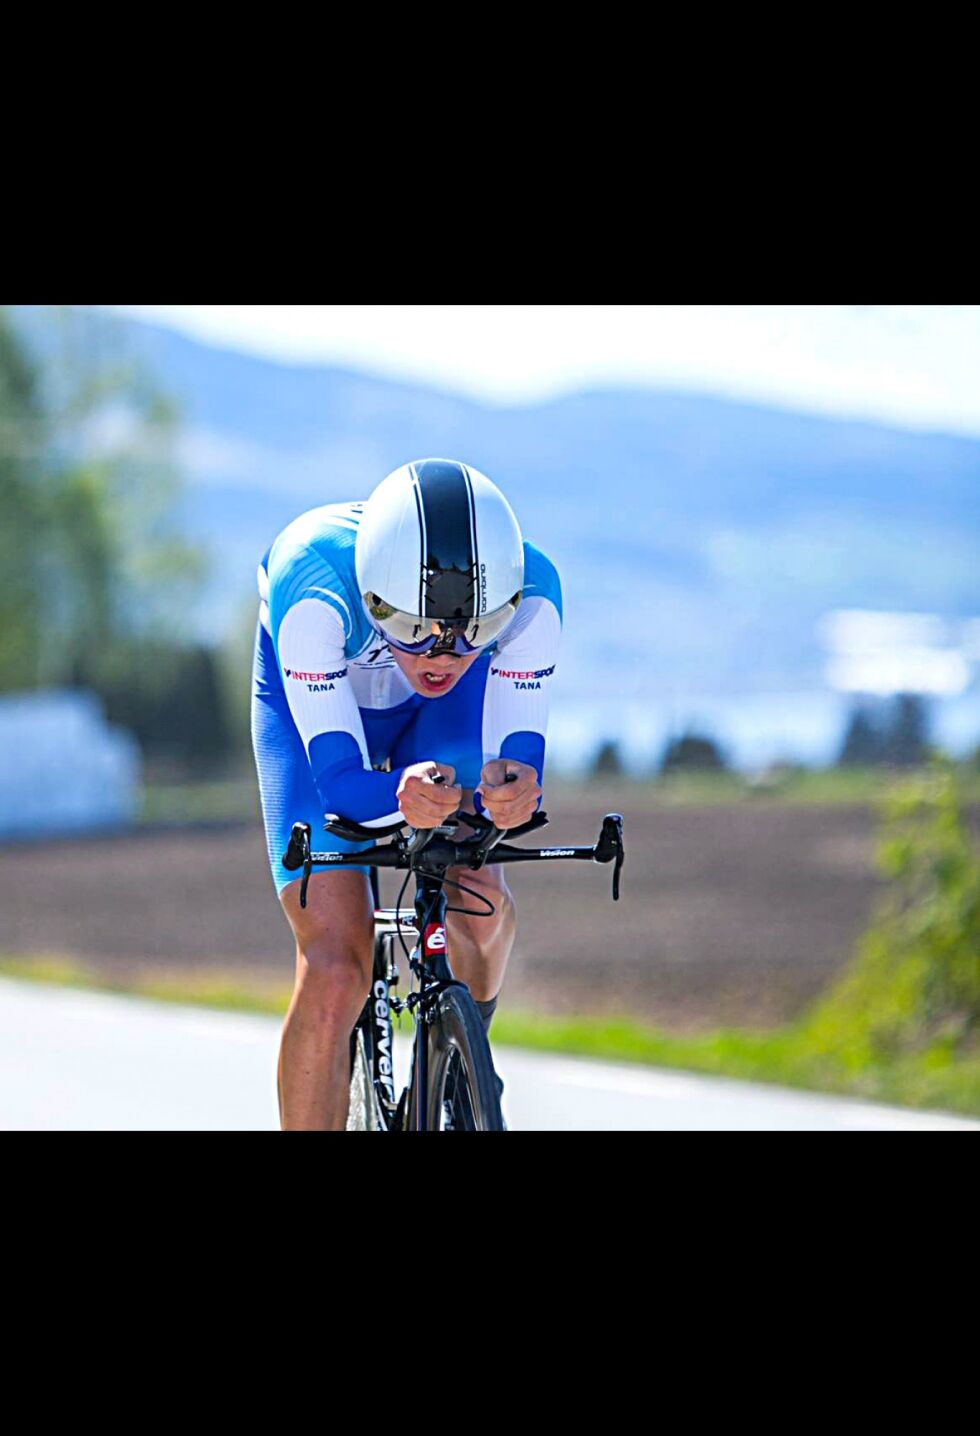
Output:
x=334 y=947
x=480 y=946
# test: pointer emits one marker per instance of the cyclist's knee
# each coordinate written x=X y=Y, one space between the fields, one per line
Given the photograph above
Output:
x=328 y=961
x=332 y=983
x=334 y=941
x=337 y=917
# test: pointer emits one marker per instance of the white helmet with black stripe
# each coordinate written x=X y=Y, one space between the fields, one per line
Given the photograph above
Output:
x=440 y=558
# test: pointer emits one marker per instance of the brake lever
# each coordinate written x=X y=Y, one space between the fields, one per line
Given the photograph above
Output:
x=620 y=860
x=297 y=855
x=611 y=849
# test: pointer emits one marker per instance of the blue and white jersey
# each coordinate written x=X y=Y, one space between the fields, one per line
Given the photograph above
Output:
x=348 y=699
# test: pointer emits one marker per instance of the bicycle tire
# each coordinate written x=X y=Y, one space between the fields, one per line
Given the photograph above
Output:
x=457 y=1044
x=363 y=1112
x=363 y=1108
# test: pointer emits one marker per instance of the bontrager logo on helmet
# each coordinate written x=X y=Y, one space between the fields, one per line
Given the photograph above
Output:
x=440 y=558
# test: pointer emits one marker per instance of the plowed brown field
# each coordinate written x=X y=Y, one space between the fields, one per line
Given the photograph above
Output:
x=734 y=913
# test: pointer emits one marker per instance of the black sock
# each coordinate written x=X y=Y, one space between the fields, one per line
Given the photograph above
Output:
x=487 y=1009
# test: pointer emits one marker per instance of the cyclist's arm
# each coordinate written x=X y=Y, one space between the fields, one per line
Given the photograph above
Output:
x=310 y=644
x=515 y=710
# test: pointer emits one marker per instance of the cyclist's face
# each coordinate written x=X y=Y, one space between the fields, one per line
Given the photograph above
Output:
x=433 y=675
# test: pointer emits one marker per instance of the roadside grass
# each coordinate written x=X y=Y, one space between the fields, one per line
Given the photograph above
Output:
x=938 y=1077
x=200 y=989
x=800 y=1055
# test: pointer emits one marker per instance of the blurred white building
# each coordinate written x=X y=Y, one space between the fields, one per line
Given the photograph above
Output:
x=63 y=769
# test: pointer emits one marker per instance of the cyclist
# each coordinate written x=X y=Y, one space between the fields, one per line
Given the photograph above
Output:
x=415 y=630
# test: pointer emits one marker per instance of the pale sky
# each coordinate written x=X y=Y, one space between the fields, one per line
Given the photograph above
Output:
x=915 y=365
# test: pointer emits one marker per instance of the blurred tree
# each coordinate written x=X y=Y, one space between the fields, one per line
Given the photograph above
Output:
x=862 y=741
x=896 y=735
x=608 y=761
x=692 y=753
x=907 y=735
x=171 y=697
x=236 y=679
x=22 y=515
x=98 y=583
x=119 y=563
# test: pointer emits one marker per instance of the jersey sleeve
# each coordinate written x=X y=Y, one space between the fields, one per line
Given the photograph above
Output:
x=515 y=709
x=310 y=637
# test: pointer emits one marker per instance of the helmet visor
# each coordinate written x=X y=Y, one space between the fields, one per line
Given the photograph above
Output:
x=412 y=634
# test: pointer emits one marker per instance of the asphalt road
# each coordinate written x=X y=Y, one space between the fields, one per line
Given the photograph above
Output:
x=80 y=1061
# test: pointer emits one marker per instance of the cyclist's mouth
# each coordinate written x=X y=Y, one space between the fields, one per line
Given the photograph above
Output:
x=437 y=682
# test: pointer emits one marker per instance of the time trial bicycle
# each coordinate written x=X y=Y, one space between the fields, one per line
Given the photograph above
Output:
x=452 y=1084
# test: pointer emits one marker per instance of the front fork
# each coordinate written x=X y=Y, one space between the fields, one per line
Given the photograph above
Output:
x=431 y=966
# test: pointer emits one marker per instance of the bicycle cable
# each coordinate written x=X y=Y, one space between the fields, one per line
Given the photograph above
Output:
x=398 y=917
x=470 y=892
x=464 y=911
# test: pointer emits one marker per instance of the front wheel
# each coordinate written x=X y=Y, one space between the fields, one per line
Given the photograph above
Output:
x=363 y=1111
x=464 y=1092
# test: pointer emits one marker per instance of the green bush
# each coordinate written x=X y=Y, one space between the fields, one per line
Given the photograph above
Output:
x=910 y=1002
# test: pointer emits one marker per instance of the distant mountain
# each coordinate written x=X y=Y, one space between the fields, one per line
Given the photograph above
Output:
x=700 y=540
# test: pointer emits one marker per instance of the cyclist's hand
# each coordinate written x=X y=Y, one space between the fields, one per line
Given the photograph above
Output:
x=512 y=803
x=424 y=802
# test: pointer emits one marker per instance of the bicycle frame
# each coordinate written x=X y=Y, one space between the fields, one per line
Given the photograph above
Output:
x=430 y=962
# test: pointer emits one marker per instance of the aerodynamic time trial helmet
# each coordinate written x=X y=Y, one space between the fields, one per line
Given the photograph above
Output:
x=440 y=558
